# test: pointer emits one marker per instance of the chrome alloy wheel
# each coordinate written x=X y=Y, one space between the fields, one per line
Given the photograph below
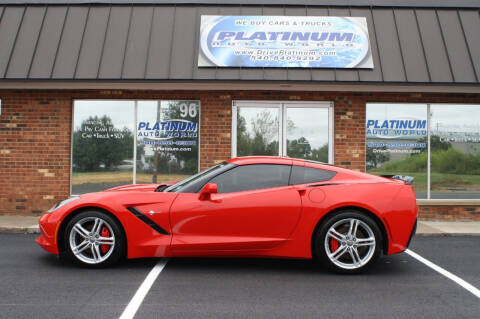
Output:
x=92 y=240
x=350 y=243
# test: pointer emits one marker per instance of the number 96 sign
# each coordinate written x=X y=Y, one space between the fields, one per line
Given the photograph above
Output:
x=190 y=109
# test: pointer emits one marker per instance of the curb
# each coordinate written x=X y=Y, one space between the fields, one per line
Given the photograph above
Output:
x=446 y=234
x=20 y=230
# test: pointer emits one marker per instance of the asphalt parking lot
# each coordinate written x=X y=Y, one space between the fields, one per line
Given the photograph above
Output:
x=34 y=284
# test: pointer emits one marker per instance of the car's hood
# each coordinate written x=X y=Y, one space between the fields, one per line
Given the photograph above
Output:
x=134 y=187
x=139 y=187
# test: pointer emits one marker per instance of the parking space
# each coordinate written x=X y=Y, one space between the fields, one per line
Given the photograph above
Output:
x=34 y=283
x=459 y=254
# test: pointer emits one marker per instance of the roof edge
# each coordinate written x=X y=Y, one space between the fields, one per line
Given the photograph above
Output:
x=231 y=86
x=310 y=3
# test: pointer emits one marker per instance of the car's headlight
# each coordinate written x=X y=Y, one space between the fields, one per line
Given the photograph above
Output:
x=63 y=202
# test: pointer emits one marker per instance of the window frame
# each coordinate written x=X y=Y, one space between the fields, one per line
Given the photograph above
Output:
x=428 y=200
x=282 y=107
x=135 y=132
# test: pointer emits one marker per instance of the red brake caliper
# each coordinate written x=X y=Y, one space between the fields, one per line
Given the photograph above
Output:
x=104 y=233
x=333 y=244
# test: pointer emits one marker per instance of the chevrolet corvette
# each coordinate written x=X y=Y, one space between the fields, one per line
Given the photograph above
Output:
x=245 y=207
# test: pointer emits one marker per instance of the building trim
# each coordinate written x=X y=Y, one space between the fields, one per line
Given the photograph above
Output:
x=237 y=86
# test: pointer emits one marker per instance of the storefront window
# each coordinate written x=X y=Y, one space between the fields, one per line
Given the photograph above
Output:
x=398 y=143
x=103 y=135
x=104 y=153
x=307 y=133
x=455 y=151
x=167 y=140
x=257 y=131
x=294 y=129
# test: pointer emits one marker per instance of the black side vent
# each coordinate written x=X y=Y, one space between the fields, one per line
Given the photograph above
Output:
x=147 y=220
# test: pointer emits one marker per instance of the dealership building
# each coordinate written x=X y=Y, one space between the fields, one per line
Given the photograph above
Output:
x=96 y=94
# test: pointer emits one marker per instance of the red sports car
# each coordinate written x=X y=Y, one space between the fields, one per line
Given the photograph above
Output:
x=244 y=207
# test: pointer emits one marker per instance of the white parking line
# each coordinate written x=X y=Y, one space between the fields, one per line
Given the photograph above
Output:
x=142 y=291
x=446 y=273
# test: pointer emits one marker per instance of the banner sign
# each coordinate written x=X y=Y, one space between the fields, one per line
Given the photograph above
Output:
x=404 y=128
x=284 y=42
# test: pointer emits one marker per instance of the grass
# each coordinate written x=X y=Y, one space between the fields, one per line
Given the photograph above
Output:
x=121 y=177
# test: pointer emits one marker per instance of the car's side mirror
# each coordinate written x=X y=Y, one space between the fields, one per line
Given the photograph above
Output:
x=207 y=190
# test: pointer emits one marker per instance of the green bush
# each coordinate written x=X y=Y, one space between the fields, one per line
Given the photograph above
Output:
x=449 y=161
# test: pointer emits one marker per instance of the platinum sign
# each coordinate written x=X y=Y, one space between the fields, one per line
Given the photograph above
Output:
x=280 y=41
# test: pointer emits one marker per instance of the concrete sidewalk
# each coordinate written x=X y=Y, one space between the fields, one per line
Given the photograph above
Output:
x=29 y=225
x=19 y=224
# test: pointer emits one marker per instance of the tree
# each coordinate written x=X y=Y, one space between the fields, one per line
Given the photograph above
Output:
x=299 y=148
x=262 y=139
x=376 y=158
x=171 y=162
x=320 y=154
x=100 y=145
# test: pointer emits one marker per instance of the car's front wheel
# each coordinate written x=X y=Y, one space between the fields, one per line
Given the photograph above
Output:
x=93 y=238
x=348 y=242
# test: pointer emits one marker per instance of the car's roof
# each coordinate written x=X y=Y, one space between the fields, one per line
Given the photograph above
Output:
x=270 y=160
x=344 y=174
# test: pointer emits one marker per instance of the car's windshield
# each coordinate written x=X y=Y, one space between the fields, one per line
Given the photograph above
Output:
x=189 y=180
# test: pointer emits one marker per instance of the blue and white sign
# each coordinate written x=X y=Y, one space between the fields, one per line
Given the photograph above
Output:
x=284 y=41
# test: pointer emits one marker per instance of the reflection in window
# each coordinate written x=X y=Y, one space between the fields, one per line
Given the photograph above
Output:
x=102 y=154
x=307 y=133
x=297 y=130
x=257 y=131
x=167 y=140
x=397 y=142
x=455 y=151
x=103 y=151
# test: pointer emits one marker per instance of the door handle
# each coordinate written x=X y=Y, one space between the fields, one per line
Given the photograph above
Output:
x=301 y=191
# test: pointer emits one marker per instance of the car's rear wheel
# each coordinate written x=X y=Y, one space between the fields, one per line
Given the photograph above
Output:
x=348 y=242
x=94 y=239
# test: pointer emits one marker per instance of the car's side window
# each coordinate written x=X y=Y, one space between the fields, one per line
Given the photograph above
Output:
x=304 y=175
x=249 y=177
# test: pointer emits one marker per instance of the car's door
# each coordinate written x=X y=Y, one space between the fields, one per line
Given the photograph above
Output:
x=254 y=208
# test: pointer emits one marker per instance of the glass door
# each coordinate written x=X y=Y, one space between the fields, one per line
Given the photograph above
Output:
x=257 y=130
x=293 y=129
x=307 y=133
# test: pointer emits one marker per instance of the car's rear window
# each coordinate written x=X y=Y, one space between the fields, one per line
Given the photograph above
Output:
x=305 y=175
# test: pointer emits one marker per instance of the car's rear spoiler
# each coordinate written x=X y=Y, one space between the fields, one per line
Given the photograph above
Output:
x=407 y=179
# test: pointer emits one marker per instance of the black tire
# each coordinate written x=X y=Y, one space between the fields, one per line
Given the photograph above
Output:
x=347 y=246
x=115 y=252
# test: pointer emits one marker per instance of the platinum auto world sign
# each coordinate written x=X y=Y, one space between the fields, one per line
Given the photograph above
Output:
x=284 y=41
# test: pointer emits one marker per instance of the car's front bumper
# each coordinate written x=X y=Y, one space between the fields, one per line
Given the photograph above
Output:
x=48 y=230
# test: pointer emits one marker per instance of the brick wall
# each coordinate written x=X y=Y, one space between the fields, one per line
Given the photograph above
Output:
x=35 y=136
x=449 y=213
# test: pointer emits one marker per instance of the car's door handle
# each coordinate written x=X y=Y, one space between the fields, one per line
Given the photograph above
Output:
x=301 y=191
